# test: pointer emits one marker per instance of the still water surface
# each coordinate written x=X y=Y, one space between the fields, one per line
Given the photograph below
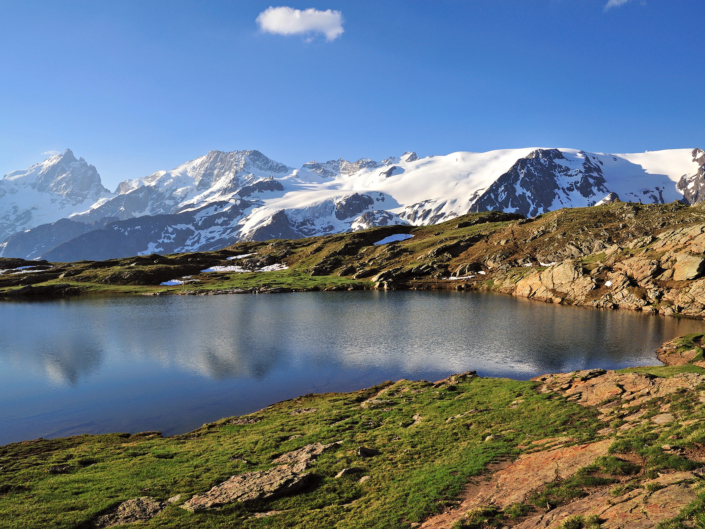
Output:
x=173 y=363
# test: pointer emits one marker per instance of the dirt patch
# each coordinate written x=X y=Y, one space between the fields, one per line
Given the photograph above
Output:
x=518 y=480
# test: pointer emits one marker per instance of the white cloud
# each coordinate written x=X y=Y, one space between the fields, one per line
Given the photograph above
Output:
x=290 y=21
x=50 y=153
x=615 y=3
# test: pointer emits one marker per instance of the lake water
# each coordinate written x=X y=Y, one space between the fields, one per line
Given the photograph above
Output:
x=95 y=365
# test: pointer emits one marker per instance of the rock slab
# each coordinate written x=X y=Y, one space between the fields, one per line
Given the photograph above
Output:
x=261 y=485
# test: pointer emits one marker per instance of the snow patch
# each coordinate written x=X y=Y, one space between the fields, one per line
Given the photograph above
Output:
x=395 y=238
x=240 y=270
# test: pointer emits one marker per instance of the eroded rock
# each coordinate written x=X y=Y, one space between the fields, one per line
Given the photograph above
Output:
x=592 y=387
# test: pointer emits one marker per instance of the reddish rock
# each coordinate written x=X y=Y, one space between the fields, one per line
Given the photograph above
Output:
x=638 y=509
x=639 y=268
x=688 y=267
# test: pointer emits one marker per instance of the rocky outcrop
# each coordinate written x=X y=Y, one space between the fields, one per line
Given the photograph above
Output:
x=637 y=509
x=264 y=484
x=687 y=267
x=287 y=478
x=531 y=471
x=593 y=387
x=565 y=281
x=517 y=481
x=682 y=351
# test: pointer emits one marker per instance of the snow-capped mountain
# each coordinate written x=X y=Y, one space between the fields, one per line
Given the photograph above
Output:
x=221 y=197
x=46 y=192
x=214 y=177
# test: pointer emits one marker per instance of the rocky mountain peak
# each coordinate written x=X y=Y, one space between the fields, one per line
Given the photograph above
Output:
x=214 y=167
x=71 y=178
x=545 y=155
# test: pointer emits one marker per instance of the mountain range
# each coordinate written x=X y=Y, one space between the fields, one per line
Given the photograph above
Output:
x=59 y=210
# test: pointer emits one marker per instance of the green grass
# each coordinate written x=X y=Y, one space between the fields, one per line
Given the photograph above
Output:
x=664 y=371
x=419 y=468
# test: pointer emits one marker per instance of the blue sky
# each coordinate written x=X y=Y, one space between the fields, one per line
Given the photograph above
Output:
x=135 y=87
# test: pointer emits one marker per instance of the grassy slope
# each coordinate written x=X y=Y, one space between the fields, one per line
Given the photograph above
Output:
x=421 y=467
x=506 y=243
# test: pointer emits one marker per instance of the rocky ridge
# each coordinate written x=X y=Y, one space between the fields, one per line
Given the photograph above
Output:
x=293 y=203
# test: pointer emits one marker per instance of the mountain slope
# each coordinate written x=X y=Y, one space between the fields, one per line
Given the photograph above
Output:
x=46 y=192
x=272 y=200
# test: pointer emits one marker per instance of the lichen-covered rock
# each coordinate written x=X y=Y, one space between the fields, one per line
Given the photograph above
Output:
x=306 y=454
x=131 y=511
x=264 y=484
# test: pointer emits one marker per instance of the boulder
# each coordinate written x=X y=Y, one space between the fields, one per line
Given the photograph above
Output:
x=348 y=472
x=639 y=268
x=555 y=283
x=467 y=269
x=346 y=271
x=261 y=485
x=365 y=273
x=367 y=452
x=306 y=454
x=688 y=267
x=131 y=511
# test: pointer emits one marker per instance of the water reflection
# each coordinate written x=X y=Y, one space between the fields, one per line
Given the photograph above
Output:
x=173 y=363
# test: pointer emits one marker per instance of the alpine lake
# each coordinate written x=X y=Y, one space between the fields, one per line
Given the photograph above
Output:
x=172 y=363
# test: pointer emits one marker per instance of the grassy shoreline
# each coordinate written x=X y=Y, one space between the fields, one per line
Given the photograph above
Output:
x=431 y=439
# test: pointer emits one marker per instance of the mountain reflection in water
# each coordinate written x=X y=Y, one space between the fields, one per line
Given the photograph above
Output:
x=173 y=363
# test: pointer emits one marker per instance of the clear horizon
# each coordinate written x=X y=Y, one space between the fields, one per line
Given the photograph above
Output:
x=134 y=88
